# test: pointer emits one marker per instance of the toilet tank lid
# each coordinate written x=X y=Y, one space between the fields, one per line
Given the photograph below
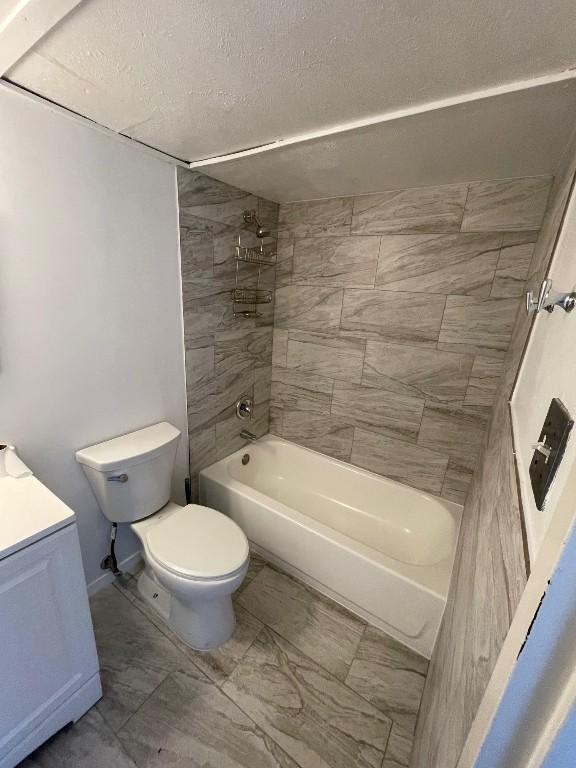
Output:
x=130 y=449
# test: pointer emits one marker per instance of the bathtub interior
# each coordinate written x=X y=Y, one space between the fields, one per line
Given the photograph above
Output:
x=402 y=523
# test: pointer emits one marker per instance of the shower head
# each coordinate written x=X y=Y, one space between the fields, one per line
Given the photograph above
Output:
x=250 y=218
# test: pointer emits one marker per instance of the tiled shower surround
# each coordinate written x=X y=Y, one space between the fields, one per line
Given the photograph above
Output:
x=226 y=357
x=393 y=315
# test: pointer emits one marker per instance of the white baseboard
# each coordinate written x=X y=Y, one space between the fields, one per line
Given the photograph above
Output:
x=129 y=564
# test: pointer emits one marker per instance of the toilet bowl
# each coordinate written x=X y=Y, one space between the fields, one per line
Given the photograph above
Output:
x=199 y=558
x=195 y=557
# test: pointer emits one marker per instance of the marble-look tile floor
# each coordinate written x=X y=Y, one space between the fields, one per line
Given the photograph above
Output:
x=302 y=684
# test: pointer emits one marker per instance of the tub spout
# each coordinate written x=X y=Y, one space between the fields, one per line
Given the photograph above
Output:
x=246 y=435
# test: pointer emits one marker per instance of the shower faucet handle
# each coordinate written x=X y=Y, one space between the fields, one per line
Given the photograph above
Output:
x=244 y=407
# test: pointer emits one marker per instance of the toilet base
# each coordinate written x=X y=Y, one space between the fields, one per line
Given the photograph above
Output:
x=154 y=594
x=202 y=625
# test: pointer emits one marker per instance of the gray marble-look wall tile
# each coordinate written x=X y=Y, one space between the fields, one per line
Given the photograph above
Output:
x=239 y=350
x=276 y=420
x=342 y=261
x=211 y=402
x=462 y=264
x=195 y=224
x=195 y=188
x=268 y=212
x=472 y=349
x=284 y=262
x=482 y=322
x=425 y=209
x=229 y=212
x=226 y=357
x=208 y=307
x=484 y=381
x=315 y=718
x=337 y=358
x=456 y=482
x=411 y=464
x=512 y=271
x=410 y=318
x=254 y=383
x=318 y=627
x=308 y=308
x=379 y=410
x=319 y=432
x=228 y=428
x=199 y=360
x=202 y=448
x=506 y=205
x=189 y=722
x=424 y=373
x=279 y=347
x=453 y=432
x=316 y=217
x=197 y=254
x=301 y=391
x=262 y=384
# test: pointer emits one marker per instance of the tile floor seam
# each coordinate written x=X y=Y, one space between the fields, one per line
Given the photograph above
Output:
x=392 y=722
x=137 y=710
x=341 y=682
x=280 y=634
x=244 y=712
x=362 y=635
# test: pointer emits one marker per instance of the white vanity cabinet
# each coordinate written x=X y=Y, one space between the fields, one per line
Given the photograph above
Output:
x=49 y=673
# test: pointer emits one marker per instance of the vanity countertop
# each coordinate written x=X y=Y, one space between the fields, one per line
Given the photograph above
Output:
x=28 y=510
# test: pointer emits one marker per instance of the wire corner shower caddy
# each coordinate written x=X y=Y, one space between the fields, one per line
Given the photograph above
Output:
x=246 y=299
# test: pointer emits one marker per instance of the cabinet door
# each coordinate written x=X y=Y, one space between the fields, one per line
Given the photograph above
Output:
x=47 y=648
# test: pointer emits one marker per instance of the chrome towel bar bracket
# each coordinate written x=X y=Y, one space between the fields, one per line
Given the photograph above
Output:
x=548 y=299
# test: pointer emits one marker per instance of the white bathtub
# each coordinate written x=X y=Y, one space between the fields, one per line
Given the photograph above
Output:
x=380 y=548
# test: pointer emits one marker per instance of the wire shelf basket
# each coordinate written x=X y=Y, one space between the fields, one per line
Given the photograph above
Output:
x=248 y=313
x=251 y=296
x=264 y=255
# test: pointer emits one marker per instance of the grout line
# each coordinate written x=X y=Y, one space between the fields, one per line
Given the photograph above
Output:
x=464 y=207
x=140 y=707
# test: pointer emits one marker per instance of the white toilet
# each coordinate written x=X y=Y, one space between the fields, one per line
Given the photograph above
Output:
x=196 y=557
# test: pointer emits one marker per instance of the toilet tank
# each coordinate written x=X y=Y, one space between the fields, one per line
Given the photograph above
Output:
x=131 y=475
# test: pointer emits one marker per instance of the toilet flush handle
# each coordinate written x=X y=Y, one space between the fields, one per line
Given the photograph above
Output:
x=123 y=478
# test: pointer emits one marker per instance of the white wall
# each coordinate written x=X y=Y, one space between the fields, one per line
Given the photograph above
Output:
x=91 y=338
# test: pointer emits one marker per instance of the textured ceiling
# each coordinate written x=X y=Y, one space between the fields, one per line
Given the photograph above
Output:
x=515 y=134
x=204 y=78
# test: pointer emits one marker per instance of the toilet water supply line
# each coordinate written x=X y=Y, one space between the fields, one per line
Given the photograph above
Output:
x=110 y=562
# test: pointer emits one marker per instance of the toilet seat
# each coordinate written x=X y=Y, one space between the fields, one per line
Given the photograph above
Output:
x=197 y=543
